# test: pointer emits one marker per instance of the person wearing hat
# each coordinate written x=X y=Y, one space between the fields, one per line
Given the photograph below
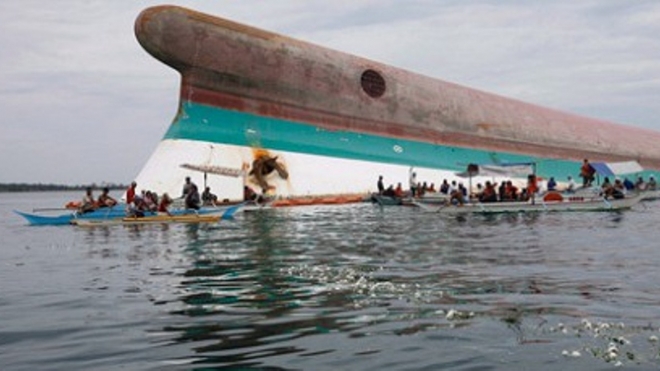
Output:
x=651 y=185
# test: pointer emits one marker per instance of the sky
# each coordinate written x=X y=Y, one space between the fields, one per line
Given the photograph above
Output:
x=81 y=102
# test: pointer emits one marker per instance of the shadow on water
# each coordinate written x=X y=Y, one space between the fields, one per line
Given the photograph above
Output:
x=310 y=283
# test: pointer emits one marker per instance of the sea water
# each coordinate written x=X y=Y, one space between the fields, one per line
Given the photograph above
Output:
x=355 y=287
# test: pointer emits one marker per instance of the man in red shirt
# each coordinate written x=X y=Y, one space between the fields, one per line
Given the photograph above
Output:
x=130 y=193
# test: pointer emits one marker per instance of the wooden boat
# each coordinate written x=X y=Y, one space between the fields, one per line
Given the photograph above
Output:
x=576 y=203
x=155 y=219
x=34 y=218
x=119 y=212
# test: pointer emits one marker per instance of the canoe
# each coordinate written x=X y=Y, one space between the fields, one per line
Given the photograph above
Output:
x=155 y=219
x=570 y=204
x=118 y=212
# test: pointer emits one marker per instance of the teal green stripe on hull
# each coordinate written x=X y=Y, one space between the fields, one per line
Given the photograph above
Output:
x=212 y=124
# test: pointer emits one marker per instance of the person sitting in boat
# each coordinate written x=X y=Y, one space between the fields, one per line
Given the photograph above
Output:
x=510 y=191
x=164 y=205
x=398 y=191
x=105 y=200
x=208 y=198
x=87 y=203
x=651 y=185
x=476 y=195
x=607 y=188
x=463 y=190
x=489 y=194
x=552 y=184
x=381 y=187
x=628 y=184
x=444 y=187
x=532 y=186
x=616 y=190
x=420 y=189
x=138 y=207
x=456 y=198
x=150 y=200
x=570 y=185
x=389 y=192
x=431 y=188
x=640 y=185
x=606 y=184
x=500 y=191
x=587 y=173
x=192 y=199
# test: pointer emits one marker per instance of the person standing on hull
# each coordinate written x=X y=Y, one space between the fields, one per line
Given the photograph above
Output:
x=381 y=186
x=413 y=184
x=587 y=173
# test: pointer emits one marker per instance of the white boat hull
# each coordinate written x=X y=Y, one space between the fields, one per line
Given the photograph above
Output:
x=577 y=204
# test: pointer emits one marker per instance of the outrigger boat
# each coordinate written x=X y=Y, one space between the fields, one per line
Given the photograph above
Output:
x=34 y=218
x=117 y=213
x=574 y=203
x=585 y=199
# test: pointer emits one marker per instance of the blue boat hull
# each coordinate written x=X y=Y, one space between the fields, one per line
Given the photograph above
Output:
x=116 y=212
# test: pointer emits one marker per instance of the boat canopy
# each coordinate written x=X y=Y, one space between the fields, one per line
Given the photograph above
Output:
x=616 y=168
x=516 y=170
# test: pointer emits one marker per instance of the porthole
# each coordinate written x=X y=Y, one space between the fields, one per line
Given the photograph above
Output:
x=373 y=83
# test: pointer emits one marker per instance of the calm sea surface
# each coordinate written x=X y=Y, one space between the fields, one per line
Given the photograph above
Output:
x=332 y=288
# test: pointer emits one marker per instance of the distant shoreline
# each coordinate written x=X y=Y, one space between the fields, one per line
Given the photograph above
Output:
x=40 y=187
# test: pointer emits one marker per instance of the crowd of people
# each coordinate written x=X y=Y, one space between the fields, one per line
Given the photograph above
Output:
x=144 y=202
x=507 y=190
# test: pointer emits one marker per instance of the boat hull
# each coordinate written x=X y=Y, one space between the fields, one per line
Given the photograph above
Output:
x=248 y=95
x=118 y=213
x=576 y=204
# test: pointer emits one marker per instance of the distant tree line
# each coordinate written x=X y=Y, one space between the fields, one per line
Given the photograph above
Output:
x=41 y=187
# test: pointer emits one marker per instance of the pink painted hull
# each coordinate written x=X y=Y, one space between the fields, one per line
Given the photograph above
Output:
x=237 y=67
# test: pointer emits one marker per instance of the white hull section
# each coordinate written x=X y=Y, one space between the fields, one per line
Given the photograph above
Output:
x=308 y=175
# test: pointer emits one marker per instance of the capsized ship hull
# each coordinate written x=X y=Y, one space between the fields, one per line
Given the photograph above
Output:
x=301 y=120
